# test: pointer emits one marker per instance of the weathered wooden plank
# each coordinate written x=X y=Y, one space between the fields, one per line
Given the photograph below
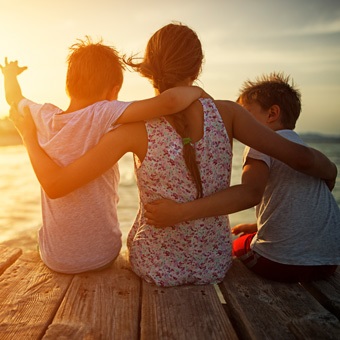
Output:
x=264 y=309
x=30 y=294
x=315 y=327
x=184 y=312
x=8 y=256
x=100 y=305
x=327 y=292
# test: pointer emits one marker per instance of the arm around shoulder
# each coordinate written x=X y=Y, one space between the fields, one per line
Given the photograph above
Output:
x=249 y=131
x=316 y=164
x=59 y=181
x=168 y=102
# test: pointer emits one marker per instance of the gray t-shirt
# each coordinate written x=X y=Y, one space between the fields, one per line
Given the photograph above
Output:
x=298 y=218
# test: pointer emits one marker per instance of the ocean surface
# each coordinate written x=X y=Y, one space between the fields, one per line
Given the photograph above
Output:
x=20 y=211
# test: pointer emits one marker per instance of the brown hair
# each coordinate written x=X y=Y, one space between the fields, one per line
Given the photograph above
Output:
x=174 y=54
x=93 y=69
x=274 y=89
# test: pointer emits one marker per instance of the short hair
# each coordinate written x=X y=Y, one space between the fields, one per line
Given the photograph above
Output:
x=274 y=89
x=93 y=68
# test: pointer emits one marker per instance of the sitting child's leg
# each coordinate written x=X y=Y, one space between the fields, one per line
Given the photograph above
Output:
x=274 y=270
x=241 y=245
x=242 y=250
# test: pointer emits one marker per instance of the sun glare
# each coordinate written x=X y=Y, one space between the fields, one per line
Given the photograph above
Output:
x=3 y=114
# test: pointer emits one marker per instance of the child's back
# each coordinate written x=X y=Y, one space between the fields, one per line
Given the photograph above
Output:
x=80 y=231
x=298 y=218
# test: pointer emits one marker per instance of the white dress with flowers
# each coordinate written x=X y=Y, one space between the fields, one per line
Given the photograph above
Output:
x=194 y=252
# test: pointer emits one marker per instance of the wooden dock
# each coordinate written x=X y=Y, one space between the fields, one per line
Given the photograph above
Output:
x=37 y=303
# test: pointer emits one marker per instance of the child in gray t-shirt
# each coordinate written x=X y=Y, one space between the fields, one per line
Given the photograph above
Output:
x=297 y=234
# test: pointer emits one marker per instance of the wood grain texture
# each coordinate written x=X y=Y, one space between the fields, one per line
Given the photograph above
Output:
x=264 y=309
x=327 y=292
x=37 y=303
x=100 y=305
x=184 y=312
x=8 y=256
x=30 y=294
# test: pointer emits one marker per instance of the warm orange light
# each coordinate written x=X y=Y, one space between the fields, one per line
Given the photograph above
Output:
x=8 y=133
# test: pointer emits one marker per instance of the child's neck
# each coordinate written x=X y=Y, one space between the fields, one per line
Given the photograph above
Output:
x=276 y=126
x=78 y=104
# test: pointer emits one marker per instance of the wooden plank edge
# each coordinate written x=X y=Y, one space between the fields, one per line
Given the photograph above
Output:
x=248 y=327
x=326 y=292
x=8 y=256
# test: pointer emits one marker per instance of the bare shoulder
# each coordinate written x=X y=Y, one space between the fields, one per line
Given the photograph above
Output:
x=228 y=106
x=228 y=110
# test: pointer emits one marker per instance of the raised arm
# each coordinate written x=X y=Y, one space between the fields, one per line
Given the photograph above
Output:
x=12 y=88
x=168 y=102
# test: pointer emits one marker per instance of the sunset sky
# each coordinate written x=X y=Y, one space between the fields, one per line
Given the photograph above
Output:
x=241 y=40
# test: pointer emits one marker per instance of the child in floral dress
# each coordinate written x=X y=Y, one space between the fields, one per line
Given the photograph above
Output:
x=191 y=252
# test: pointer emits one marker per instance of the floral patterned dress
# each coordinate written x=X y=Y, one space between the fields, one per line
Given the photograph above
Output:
x=194 y=252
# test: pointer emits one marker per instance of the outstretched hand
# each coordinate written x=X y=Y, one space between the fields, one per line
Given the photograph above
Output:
x=23 y=123
x=163 y=213
x=12 y=68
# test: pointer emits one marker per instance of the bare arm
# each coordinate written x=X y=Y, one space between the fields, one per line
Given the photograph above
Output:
x=244 y=127
x=235 y=198
x=301 y=158
x=12 y=88
x=58 y=181
x=168 y=102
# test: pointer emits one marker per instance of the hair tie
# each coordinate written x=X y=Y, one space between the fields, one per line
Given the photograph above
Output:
x=186 y=140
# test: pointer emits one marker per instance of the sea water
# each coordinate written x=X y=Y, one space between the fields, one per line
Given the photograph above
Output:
x=20 y=211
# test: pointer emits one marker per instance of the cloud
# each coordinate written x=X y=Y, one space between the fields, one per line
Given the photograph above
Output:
x=318 y=28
